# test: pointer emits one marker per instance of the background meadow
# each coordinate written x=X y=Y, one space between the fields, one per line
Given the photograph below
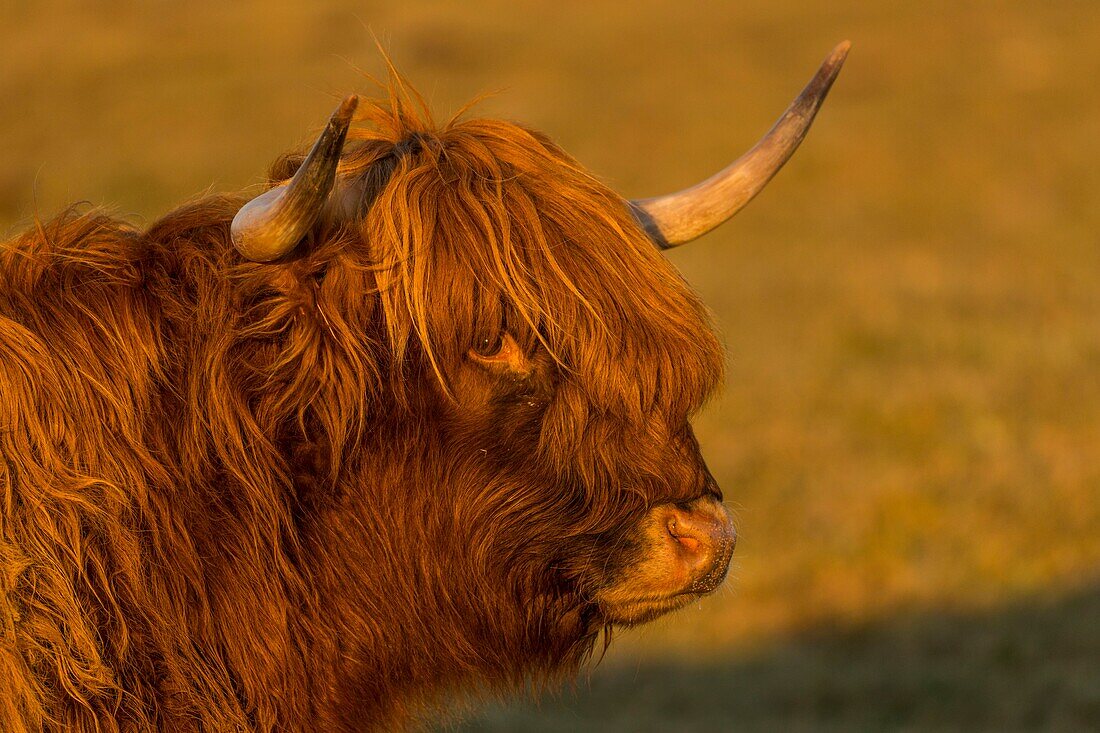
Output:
x=910 y=430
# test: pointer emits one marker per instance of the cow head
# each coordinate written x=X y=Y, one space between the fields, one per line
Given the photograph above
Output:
x=525 y=364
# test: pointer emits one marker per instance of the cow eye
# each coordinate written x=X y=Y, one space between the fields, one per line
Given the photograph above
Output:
x=490 y=346
x=501 y=355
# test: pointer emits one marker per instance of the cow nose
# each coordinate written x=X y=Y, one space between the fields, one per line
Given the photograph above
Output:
x=704 y=537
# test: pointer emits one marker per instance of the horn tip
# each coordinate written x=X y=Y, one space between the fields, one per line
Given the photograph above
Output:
x=347 y=107
x=839 y=53
x=828 y=72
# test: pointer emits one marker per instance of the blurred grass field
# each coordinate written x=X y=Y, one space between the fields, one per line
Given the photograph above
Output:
x=910 y=432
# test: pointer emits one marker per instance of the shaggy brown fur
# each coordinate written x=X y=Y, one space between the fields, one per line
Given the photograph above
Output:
x=243 y=496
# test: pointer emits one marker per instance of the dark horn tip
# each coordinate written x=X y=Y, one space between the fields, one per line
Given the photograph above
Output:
x=346 y=109
x=814 y=93
x=836 y=58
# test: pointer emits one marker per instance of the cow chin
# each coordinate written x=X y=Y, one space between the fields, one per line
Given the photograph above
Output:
x=683 y=553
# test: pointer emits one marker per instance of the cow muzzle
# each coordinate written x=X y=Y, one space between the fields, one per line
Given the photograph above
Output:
x=702 y=538
x=684 y=552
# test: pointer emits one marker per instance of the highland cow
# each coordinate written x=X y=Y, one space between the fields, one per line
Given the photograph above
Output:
x=412 y=423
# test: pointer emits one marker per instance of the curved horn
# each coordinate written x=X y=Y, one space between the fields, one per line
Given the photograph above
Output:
x=273 y=223
x=680 y=217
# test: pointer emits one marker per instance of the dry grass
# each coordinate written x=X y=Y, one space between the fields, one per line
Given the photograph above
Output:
x=911 y=428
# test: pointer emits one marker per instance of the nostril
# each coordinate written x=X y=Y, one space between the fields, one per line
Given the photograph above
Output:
x=690 y=544
x=687 y=541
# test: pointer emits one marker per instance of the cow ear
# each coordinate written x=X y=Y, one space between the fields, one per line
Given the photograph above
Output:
x=503 y=356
